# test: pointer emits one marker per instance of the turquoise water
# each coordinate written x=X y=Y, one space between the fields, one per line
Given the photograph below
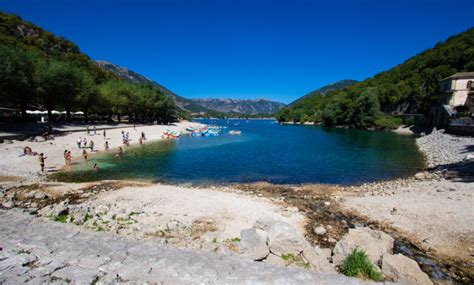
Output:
x=265 y=151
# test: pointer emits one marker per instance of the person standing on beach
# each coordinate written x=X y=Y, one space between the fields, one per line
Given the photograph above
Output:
x=88 y=133
x=79 y=142
x=106 y=146
x=69 y=158
x=95 y=131
x=84 y=154
x=41 y=161
x=65 y=157
x=105 y=135
x=91 y=145
x=140 y=140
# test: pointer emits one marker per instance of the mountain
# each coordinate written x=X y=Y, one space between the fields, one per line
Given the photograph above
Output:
x=411 y=87
x=327 y=88
x=247 y=107
x=134 y=77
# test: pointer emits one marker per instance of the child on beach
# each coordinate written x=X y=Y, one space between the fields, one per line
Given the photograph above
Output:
x=119 y=153
x=84 y=154
x=41 y=161
x=106 y=146
x=69 y=158
x=95 y=167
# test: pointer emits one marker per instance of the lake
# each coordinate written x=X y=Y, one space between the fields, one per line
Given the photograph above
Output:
x=265 y=151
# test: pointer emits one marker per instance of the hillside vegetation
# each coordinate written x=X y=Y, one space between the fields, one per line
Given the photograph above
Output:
x=410 y=87
x=41 y=70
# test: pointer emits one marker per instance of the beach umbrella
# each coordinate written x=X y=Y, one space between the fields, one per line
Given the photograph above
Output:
x=79 y=113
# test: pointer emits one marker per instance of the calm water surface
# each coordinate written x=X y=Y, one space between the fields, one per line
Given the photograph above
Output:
x=265 y=151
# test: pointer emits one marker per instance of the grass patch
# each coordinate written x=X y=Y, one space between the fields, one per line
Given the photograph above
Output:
x=214 y=240
x=388 y=122
x=296 y=260
x=357 y=264
x=133 y=214
x=62 y=218
x=236 y=239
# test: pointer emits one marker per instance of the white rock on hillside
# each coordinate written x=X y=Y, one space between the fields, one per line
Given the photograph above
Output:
x=375 y=243
x=253 y=244
x=284 y=239
x=404 y=270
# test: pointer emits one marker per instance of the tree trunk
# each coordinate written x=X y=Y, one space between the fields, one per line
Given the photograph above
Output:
x=86 y=114
x=68 y=115
x=50 y=115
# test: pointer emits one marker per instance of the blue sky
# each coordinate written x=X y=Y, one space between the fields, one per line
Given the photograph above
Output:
x=278 y=50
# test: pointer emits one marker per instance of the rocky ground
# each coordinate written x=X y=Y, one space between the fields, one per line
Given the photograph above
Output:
x=38 y=251
x=433 y=210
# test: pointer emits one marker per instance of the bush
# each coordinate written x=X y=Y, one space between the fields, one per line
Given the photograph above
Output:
x=357 y=264
x=388 y=122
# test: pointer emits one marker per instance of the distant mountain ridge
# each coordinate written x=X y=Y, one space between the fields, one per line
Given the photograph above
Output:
x=341 y=84
x=242 y=106
x=134 y=77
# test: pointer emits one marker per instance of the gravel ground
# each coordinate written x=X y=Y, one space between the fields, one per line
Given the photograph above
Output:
x=441 y=149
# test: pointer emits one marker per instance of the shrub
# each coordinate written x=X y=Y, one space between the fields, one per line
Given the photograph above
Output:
x=388 y=122
x=357 y=264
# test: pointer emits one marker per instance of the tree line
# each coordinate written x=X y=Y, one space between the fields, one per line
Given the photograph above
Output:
x=411 y=87
x=41 y=70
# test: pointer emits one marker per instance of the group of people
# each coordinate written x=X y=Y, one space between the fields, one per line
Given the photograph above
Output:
x=83 y=144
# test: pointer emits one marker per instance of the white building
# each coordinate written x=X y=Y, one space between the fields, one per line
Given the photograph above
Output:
x=458 y=90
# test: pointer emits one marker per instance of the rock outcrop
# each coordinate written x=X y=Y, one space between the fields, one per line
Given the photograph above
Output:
x=254 y=244
x=374 y=243
x=403 y=270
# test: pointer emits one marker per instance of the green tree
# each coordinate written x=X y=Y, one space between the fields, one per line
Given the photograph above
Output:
x=16 y=77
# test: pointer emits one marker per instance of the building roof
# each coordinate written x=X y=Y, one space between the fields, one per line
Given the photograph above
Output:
x=460 y=75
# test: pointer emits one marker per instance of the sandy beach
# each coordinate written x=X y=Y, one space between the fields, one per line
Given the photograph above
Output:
x=12 y=163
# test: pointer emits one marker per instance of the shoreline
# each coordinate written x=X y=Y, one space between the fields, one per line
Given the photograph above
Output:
x=339 y=208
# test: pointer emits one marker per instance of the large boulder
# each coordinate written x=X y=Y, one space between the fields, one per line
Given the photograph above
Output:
x=318 y=259
x=285 y=239
x=403 y=270
x=253 y=244
x=374 y=243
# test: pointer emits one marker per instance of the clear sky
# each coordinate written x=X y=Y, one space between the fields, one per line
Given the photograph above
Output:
x=278 y=50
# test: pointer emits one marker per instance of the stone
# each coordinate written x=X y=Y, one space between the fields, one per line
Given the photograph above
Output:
x=320 y=231
x=39 y=139
x=374 y=243
x=101 y=210
x=253 y=245
x=275 y=259
x=284 y=238
x=263 y=223
x=8 y=204
x=420 y=176
x=76 y=274
x=40 y=195
x=318 y=259
x=404 y=270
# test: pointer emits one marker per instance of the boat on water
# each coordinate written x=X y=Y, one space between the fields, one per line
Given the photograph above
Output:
x=234 y=132
x=169 y=134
